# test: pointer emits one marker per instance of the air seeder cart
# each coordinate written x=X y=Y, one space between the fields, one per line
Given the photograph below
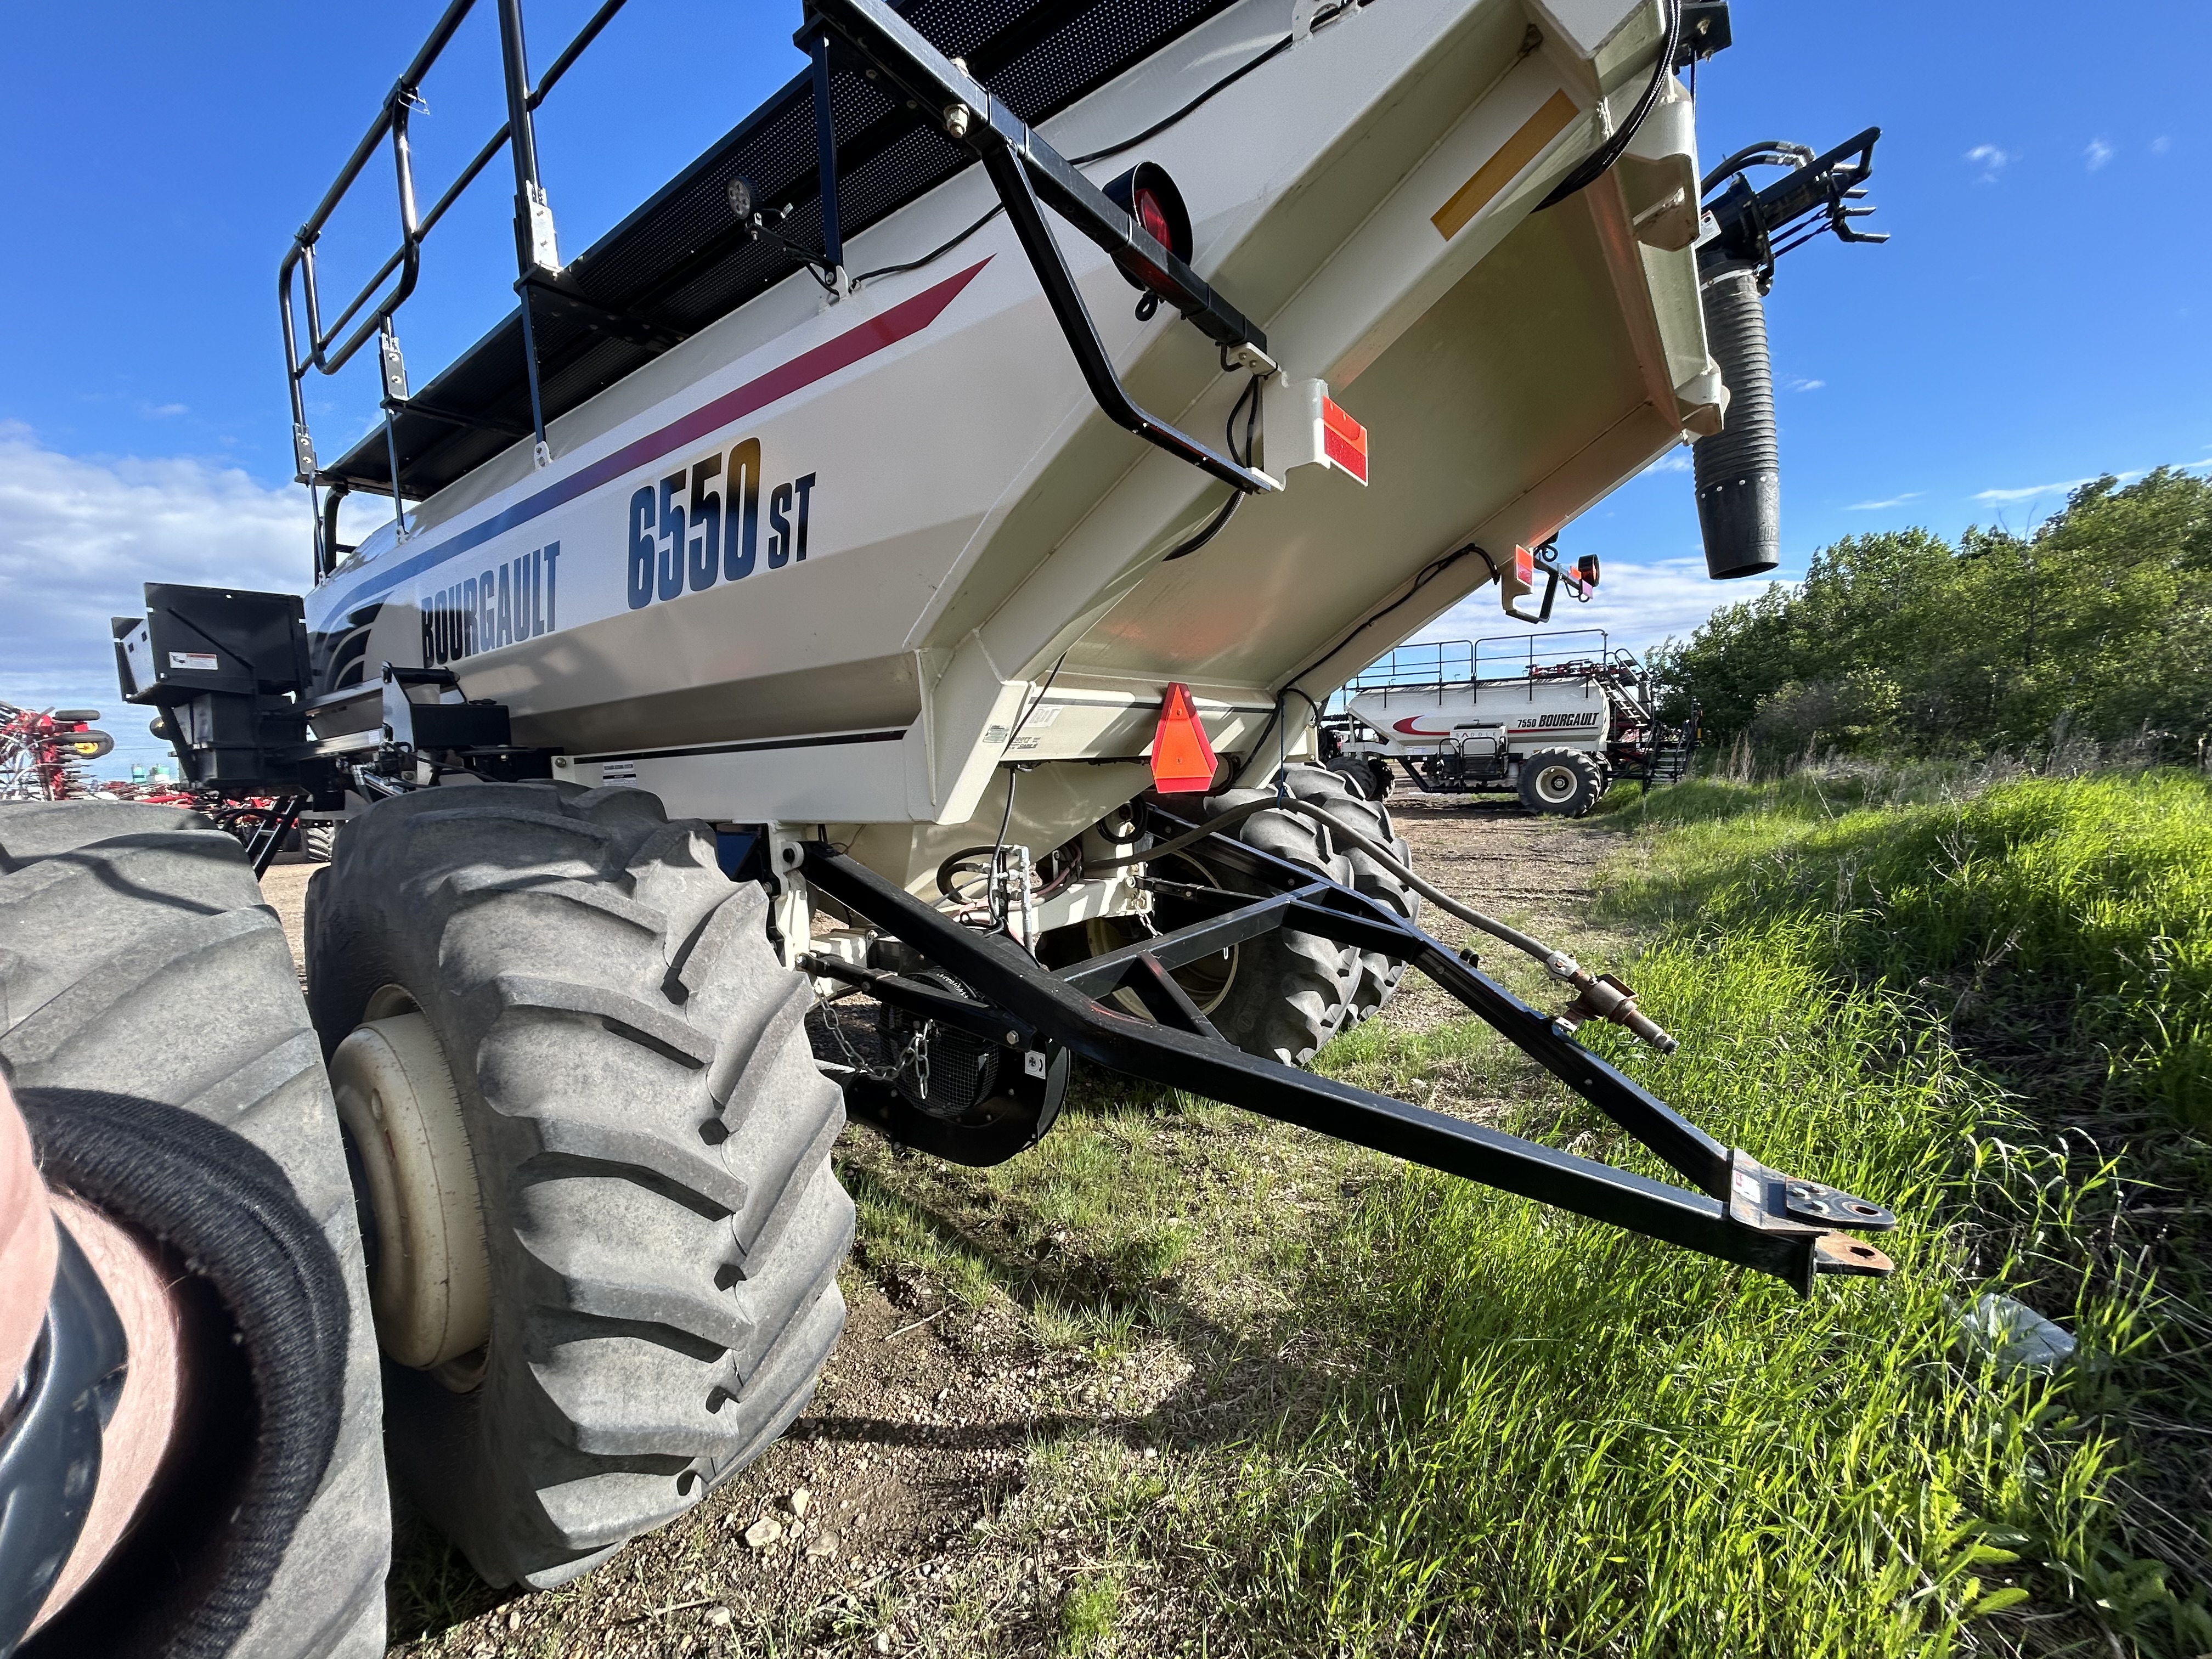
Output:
x=898 y=569
x=1556 y=718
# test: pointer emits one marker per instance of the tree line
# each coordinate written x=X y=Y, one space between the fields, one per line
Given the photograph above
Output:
x=2096 y=624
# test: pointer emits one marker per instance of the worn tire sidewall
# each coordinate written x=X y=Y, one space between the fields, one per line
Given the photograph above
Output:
x=359 y=948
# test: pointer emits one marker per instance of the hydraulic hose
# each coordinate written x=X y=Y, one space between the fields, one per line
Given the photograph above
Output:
x=1603 y=997
x=1595 y=165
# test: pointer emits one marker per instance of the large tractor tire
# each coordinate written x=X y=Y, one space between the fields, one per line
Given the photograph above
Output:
x=1560 y=782
x=1283 y=994
x=318 y=840
x=151 y=1023
x=1367 y=776
x=1330 y=791
x=604 y=1139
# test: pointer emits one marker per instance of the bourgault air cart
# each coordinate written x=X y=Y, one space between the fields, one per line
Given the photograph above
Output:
x=900 y=565
x=1556 y=718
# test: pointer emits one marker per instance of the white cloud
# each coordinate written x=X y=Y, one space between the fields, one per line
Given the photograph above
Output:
x=2159 y=145
x=79 y=536
x=1639 y=606
x=1877 y=507
x=1990 y=159
x=1799 y=383
x=2064 y=487
x=2100 y=151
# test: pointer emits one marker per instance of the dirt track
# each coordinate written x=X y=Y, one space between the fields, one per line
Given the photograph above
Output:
x=915 y=1452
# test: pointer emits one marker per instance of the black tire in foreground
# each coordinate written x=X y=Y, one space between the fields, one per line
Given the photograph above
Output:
x=1560 y=782
x=1330 y=791
x=142 y=978
x=651 y=1142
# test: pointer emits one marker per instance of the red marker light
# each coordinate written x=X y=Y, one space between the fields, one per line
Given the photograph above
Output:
x=1524 y=567
x=1150 y=197
x=1182 y=760
x=1152 y=215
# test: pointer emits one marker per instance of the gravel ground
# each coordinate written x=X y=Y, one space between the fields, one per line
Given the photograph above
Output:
x=892 y=1518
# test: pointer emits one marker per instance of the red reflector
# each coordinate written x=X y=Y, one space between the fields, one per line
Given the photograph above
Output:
x=1524 y=567
x=1343 y=440
x=1182 y=760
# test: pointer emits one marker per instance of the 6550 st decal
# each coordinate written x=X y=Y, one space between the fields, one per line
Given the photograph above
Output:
x=684 y=540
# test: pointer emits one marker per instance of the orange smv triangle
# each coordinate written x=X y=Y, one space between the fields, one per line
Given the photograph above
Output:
x=1182 y=760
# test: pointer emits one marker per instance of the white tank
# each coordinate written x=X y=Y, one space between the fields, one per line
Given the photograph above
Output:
x=1486 y=701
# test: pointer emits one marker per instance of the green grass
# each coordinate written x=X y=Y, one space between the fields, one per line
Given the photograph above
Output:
x=2091 y=897
x=1591 y=1444
x=1474 y=1426
x=1582 y=1443
x=1087 y=1613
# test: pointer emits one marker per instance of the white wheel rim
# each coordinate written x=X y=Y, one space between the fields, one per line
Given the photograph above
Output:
x=1556 y=783
x=431 y=1288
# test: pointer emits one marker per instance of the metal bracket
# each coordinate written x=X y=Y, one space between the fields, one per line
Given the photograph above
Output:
x=1029 y=174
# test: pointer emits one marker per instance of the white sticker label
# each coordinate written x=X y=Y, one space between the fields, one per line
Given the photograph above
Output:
x=617 y=771
x=205 y=661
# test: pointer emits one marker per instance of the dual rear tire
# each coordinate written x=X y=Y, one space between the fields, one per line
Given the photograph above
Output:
x=1286 y=994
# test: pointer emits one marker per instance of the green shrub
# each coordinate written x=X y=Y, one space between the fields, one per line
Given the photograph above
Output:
x=2098 y=623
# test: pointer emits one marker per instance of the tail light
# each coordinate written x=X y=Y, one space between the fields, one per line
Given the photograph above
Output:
x=1148 y=196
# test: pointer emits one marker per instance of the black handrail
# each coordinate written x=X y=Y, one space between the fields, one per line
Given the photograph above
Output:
x=1029 y=175
x=325 y=352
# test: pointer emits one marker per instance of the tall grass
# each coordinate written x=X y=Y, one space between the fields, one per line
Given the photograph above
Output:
x=1572 y=1441
x=2090 y=899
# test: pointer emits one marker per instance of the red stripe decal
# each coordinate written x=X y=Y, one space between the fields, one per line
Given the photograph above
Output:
x=906 y=319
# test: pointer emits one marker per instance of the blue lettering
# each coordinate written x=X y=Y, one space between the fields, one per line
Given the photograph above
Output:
x=741 y=529
x=779 y=539
x=671 y=530
x=640 y=549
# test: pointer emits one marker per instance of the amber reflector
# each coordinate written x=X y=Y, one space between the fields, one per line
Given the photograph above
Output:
x=1182 y=760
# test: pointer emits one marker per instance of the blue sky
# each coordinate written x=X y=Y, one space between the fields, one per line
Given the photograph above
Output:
x=2039 y=316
